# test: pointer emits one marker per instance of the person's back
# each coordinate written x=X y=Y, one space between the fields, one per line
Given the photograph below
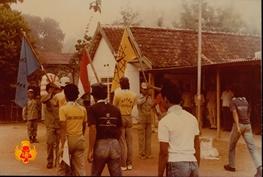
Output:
x=73 y=118
x=74 y=115
x=104 y=132
x=178 y=133
x=182 y=127
x=106 y=128
x=125 y=100
x=242 y=106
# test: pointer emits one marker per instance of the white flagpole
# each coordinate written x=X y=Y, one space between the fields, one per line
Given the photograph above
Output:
x=199 y=63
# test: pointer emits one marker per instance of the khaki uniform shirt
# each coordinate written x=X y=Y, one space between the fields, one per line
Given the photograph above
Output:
x=74 y=115
x=125 y=100
x=50 y=111
x=32 y=110
x=145 y=105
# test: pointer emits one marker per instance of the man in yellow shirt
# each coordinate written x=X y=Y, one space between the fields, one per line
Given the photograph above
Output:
x=73 y=118
x=125 y=100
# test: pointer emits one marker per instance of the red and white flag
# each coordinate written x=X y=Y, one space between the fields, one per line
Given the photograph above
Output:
x=84 y=84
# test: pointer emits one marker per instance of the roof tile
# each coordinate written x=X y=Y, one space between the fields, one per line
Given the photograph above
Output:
x=177 y=47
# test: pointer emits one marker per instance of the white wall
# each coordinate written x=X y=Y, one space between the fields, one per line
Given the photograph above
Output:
x=103 y=56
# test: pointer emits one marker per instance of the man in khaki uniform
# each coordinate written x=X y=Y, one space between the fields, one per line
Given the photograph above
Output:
x=52 y=123
x=31 y=113
x=60 y=97
x=73 y=118
x=145 y=104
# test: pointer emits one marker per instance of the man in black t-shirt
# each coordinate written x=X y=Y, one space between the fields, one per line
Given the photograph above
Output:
x=105 y=124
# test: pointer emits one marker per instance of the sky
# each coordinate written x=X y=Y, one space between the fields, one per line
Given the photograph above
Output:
x=74 y=15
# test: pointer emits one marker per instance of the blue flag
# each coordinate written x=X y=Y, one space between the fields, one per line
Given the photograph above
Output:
x=27 y=65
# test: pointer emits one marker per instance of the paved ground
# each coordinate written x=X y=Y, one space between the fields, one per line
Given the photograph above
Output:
x=12 y=134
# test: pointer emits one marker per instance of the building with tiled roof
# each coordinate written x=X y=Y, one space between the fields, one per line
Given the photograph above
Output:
x=227 y=58
x=57 y=63
x=165 y=48
x=54 y=58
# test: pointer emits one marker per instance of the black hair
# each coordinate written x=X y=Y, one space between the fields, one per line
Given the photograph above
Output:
x=172 y=92
x=124 y=83
x=71 y=92
x=99 y=91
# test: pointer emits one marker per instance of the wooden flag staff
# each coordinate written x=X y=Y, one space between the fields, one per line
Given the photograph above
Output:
x=42 y=67
x=92 y=66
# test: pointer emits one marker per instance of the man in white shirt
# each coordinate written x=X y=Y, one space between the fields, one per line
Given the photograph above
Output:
x=178 y=136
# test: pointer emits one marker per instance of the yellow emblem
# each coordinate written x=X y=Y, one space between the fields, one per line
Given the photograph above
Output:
x=25 y=152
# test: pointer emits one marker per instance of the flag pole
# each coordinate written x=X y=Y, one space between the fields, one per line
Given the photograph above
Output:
x=92 y=66
x=36 y=56
x=135 y=46
x=199 y=64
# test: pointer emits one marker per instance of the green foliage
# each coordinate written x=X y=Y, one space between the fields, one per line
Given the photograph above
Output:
x=46 y=32
x=6 y=3
x=213 y=19
x=11 y=25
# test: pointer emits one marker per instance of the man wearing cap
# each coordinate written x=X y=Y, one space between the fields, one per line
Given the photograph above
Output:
x=51 y=122
x=31 y=113
x=145 y=105
x=60 y=97
x=104 y=132
x=125 y=99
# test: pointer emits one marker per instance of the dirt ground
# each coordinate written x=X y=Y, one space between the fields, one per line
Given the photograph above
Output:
x=12 y=134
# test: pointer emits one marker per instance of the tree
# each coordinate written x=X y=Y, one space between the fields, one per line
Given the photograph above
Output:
x=213 y=19
x=46 y=32
x=11 y=25
x=80 y=44
x=129 y=17
x=6 y=3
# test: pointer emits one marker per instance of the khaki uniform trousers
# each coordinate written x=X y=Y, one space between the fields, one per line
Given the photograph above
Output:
x=77 y=146
x=52 y=145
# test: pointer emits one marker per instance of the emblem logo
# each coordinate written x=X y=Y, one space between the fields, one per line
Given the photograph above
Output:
x=25 y=152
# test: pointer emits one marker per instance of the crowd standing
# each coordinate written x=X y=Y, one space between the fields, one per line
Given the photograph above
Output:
x=66 y=115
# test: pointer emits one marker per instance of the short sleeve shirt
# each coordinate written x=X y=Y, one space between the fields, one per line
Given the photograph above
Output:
x=242 y=107
x=178 y=128
x=74 y=115
x=107 y=119
x=60 y=98
x=125 y=100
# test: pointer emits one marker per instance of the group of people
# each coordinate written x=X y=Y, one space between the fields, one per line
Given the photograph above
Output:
x=110 y=129
x=208 y=106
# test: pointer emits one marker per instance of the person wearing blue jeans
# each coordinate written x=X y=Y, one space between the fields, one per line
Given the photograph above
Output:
x=105 y=123
x=241 y=115
x=178 y=134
